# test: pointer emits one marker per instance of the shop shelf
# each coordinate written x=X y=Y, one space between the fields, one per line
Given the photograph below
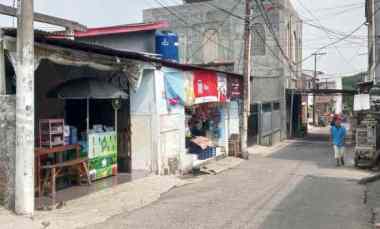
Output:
x=48 y=143
x=50 y=130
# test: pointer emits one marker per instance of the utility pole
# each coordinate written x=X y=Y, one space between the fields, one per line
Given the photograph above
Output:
x=315 y=83
x=24 y=183
x=246 y=78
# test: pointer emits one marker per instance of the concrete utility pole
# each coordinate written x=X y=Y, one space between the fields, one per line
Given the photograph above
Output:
x=246 y=78
x=315 y=83
x=24 y=199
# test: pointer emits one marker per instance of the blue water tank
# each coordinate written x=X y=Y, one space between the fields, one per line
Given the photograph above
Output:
x=167 y=45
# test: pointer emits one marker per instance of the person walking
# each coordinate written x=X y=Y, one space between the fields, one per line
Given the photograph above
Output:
x=338 y=135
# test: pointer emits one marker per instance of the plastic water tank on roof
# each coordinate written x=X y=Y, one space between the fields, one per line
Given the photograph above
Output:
x=167 y=45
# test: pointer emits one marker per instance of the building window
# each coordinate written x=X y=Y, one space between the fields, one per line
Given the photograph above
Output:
x=259 y=40
x=210 y=46
x=267 y=107
x=254 y=108
x=276 y=106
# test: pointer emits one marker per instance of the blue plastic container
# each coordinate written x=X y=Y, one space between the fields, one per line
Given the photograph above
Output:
x=201 y=155
x=167 y=45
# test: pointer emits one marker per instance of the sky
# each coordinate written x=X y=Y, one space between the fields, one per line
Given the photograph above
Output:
x=339 y=16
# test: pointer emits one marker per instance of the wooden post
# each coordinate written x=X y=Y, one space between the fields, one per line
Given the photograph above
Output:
x=246 y=79
x=24 y=193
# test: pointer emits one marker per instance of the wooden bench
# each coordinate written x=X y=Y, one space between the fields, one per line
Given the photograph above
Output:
x=57 y=168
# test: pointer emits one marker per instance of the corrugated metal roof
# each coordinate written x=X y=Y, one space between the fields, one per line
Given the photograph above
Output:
x=118 y=29
x=45 y=38
x=101 y=31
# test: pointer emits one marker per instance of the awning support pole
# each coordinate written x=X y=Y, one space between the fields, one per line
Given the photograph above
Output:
x=88 y=115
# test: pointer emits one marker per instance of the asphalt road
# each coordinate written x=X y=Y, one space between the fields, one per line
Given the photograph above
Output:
x=297 y=187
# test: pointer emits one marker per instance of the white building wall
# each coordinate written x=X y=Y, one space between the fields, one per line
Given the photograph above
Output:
x=171 y=130
x=142 y=110
x=158 y=133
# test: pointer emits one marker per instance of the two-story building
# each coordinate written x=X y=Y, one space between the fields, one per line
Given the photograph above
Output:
x=211 y=33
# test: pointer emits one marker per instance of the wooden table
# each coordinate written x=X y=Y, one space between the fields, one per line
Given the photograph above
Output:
x=56 y=168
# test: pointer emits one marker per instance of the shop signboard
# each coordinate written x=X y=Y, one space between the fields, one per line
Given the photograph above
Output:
x=205 y=87
x=102 y=154
x=234 y=89
x=362 y=102
x=222 y=88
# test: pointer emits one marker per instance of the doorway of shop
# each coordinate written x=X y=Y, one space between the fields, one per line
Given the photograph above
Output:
x=102 y=113
x=253 y=125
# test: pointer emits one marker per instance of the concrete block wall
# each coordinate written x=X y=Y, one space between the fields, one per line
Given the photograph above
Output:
x=7 y=149
x=200 y=17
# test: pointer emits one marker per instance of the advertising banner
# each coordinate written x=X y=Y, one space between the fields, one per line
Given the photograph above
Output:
x=102 y=153
x=205 y=87
x=234 y=88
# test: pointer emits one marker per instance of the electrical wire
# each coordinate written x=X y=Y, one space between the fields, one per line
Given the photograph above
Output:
x=271 y=30
x=179 y=17
x=335 y=42
x=232 y=14
x=331 y=31
x=340 y=6
x=326 y=32
x=216 y=30
x=260 y=36
x=323 y=16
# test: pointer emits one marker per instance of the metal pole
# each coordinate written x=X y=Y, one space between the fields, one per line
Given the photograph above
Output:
x=24 y=181
x=291 y=114
x=314 y=87
x=88 y=115
x=116 y=121
x=246 y=78
x=315 y=84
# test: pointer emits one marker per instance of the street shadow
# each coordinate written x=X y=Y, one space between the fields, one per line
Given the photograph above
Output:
x=317 y=202
x=314 y=148
x=317 y=137
x=314 y=151
x=66 y=194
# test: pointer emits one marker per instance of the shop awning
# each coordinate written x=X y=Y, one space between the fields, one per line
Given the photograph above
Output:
x=87 y=88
